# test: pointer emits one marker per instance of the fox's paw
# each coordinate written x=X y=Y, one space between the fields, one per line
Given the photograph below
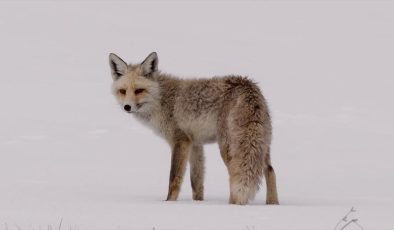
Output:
x=272 y=202
x=170 y=199
x=198 y=197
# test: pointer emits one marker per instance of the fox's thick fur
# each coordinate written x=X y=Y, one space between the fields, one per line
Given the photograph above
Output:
x=229 y=110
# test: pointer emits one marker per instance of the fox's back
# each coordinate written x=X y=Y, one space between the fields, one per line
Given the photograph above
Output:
x=197 y=104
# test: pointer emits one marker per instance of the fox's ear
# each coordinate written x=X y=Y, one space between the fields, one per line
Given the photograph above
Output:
x=118 y=66
x=149 y=65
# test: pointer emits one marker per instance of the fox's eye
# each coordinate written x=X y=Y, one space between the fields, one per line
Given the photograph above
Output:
x=138 y=91
x=122 y=91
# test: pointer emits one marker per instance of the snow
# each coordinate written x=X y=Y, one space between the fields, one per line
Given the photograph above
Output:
x=68 y=152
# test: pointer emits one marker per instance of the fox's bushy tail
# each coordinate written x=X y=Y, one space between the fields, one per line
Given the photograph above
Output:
x=250 y=148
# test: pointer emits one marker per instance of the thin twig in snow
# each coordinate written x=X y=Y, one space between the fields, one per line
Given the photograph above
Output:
x=347 y=224
x=344 y=219
x=60 y=225
x=359 y=225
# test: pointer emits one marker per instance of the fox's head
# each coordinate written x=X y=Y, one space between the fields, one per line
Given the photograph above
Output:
x=134 y=86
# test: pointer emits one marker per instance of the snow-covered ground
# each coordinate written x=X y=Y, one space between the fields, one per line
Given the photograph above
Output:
x=68 y=152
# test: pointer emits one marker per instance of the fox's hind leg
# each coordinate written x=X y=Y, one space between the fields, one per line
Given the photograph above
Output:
x=197 y=171
x=179 y=157
x=270 y=179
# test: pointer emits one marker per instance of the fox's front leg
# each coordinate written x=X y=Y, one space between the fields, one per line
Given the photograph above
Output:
x=197 y=172
x=180 y=155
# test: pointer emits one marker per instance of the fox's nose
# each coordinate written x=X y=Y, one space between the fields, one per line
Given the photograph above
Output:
x=127 y=108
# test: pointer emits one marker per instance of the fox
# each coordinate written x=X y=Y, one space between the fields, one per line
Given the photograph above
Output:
x=189 y=113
